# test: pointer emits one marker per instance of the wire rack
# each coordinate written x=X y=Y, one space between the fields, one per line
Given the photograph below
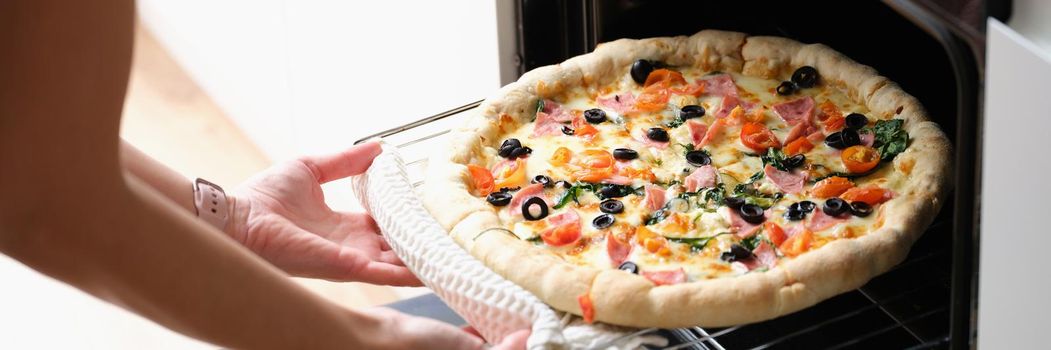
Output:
x=905 y=308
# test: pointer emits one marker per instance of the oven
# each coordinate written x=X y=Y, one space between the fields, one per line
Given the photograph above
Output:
x=934 y=49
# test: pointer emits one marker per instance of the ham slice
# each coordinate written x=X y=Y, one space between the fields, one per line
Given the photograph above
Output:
x=622 y=103
x=665 y=277
x=741 y=228
x=797 y=111
x=731 y=102
x=820 y=221
x=701 y=178
x=697 y=131
x=764 y=256
x=556 y=112
x=801 y=130
x=712 y=132
x=816 y=137
x=719 y=85
x=788 y=182
x=534 y=190
x=654 y=197
x=618 y=250
x=546 y=125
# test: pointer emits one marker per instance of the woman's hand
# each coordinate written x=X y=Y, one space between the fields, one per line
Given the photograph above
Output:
x=401 y=331
x=281 y=215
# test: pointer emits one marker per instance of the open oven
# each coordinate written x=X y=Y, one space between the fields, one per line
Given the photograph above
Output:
x=932 y=48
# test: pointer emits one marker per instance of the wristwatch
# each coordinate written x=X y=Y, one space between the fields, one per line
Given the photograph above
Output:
x=210 y=201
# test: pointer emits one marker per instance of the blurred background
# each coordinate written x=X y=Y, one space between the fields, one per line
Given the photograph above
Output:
x=222 y=89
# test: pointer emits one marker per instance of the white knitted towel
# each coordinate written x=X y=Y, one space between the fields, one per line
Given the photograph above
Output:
x=491 y=304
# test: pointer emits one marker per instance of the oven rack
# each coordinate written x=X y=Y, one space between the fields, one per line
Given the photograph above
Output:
x=904 y=308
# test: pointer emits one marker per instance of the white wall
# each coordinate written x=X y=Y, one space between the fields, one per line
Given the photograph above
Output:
x=312 y=76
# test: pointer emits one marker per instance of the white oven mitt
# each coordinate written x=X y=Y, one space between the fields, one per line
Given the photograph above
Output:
x=491 y=304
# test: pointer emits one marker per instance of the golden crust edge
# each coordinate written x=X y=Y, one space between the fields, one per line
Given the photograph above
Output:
x=630 y=300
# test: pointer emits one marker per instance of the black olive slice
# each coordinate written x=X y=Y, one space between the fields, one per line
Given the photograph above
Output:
x=527 y=211
x=508 y=147
x=807 y=206
x=595 y=115
x=640 y=70
x=850 y=138
x=835 y=207
x=499 y=199
x=568 y=130
x=625 y=154
x=857 y=121
x=698 y=158
x=690 y=112
x=611 y=191
x=752 y=213
x=611 y=206
x=805 y=77
x=786 y=88
x=543 y=180
x=603 y=221
x=629 y=267
x=835 y=140
x=658 y=134
x=737 y=252
x=795 y=213
x=512 y=143
x=860 y=209
x=733 y=202
x=794 y=161
x=521 y=151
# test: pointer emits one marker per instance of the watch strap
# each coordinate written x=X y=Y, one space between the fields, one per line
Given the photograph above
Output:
x=210 y=201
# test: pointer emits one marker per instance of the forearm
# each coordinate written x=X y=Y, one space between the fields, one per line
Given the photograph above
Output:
x=135 y=250
x=160 y=177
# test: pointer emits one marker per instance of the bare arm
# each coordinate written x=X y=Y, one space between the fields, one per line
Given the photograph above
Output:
x=67 y=211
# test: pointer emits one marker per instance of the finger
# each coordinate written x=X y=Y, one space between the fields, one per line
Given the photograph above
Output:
x=470 y=330
x=388 y=256
x=336 y=166
x=513 y=341
x=387 y=274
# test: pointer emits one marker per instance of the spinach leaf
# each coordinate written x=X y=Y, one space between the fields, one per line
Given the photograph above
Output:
x=688 y=147
x=716 y=194
x=605 y=191
x=751 y=242
x=751 y=195
x=539 y=107
x=674 y=123
x=573 y=193
x=535 y=240
x=775 y=157
x=696 y=244
x=890 y=138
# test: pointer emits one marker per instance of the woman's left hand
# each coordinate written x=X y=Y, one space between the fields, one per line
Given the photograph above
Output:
x=281 y=215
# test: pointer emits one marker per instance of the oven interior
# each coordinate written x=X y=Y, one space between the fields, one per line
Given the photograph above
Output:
x=932 y=48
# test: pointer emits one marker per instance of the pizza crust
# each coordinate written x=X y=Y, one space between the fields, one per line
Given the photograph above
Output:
x=631 y=300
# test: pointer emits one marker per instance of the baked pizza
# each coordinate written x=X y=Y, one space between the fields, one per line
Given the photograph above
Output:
x=708 y=180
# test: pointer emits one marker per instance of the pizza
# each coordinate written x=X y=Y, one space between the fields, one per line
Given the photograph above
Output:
x=708 y=180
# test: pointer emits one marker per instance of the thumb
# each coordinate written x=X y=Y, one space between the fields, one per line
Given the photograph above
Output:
x=513 y=341
x=352 y=161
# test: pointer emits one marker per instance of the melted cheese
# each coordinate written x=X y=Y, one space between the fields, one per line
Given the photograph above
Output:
x=735 y=164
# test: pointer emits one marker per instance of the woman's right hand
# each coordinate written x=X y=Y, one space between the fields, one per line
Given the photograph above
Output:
x=401 y=331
